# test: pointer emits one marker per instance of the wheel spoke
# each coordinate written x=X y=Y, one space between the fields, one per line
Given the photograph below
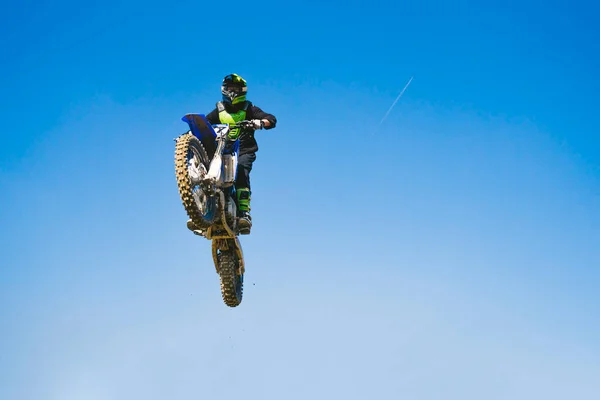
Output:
x=191 y=164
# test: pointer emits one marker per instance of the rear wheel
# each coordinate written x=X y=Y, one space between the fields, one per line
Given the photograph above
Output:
x=191 y=165
x=232 y=280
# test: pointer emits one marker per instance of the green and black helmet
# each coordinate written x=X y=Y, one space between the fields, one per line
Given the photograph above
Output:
x=234 y=89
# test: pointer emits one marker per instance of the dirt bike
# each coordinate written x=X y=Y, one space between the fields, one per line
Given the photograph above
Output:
x=206 y=160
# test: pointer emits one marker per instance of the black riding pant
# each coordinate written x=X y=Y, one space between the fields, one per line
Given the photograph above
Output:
x=243 y=170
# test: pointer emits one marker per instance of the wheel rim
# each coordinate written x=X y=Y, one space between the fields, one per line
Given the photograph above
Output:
x=197 y=171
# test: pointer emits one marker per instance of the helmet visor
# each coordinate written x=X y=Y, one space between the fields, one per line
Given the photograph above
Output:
x=234 y=89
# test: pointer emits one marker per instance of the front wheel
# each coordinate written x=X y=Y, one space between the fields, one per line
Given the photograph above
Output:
x=191 y=166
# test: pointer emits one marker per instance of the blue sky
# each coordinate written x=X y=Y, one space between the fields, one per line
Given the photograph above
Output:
x=450 y=252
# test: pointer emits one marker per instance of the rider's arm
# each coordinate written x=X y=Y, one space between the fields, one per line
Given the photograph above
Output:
x=269 y=120
x=213 y=117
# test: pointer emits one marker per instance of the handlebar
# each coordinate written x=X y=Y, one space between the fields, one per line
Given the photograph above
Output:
x=244 y=124
x=241 y=124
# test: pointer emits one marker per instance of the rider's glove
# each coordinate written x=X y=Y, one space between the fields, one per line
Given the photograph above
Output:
x=257 y=124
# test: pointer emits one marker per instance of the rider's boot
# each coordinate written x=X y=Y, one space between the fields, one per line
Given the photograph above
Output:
x=245 y=221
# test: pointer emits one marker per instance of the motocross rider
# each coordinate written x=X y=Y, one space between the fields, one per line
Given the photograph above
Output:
x=231 y=109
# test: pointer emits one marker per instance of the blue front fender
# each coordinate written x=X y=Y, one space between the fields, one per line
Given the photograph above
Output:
x=203 y=130
x=200 y=126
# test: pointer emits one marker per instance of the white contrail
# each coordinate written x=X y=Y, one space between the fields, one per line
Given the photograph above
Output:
x=395 y=101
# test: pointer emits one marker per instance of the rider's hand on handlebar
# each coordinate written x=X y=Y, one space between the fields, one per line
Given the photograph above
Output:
x=257 y=124
x=252 y=124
